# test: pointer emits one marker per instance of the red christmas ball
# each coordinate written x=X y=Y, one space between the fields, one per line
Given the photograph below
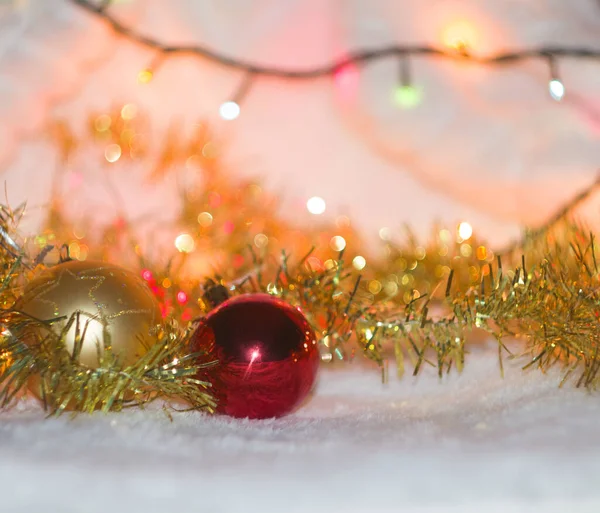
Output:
x=267 y=352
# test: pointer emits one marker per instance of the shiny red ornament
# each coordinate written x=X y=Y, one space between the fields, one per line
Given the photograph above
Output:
x=267 y=352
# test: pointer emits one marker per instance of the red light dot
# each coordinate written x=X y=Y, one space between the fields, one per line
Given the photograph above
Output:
x=228 y=227
x=187 y=315
x=238 y=260
x=182 y=297
x=214 y=200
x=346 y=80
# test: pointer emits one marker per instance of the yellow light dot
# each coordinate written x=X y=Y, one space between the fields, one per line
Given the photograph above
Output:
x=465 y=230
x=391 y=288
x=330 y=264
x=166 y=283
x=420 y=253
x=316 y=205
x=209 y=150
x=84 y=251
x=112 y=153
x=102 y=123
x=385 y=233
x=466 y=250
x=459 y=35
x=337 y=243
x=261 y=240
x=443 y=251
x=273 y=289
x=445 y=235
x=481 y=253
x=205 y=219
x=74 y=250
x=185 y=243
x=129 y=111
x=375 y=287
x=145 y=76
x=406 y=279
x=359 y=262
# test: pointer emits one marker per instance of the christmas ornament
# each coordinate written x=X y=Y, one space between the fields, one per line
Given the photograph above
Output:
x=267 y=352
x=95 y=309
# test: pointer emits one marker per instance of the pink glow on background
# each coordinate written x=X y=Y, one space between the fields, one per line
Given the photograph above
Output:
x=474 y=149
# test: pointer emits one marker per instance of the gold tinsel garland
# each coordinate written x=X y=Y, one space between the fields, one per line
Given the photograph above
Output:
x=418 y=303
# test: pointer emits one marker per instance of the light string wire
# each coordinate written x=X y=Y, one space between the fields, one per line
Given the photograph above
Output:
x=546 y=53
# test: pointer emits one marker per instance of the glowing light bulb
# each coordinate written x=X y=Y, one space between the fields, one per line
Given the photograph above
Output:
x=229 y=110
x=112 y=153
x=460 y=35
x=145 y=76
x=557 y=89
x=316 y=205
x=185 y=243
x=407 y=97
x=465 y=230
x=359 y=262
x=337 y=243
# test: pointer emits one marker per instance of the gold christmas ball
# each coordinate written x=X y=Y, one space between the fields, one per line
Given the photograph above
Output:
x=106 y=299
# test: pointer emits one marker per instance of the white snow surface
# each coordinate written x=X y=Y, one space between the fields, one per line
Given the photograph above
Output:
x=472 y=442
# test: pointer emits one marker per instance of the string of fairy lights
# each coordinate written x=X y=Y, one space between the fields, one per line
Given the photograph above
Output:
x=406 y=95
x=344 y=71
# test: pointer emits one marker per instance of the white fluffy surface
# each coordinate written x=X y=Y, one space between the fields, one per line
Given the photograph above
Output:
x=472 y=443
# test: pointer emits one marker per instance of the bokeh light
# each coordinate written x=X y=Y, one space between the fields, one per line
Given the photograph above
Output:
x=185 y=243
x=556 y=89
x=337 y=243
x=465 y=230
x=229 y=110
x=407 y=96
x=359 y=262
x=112 y=152
x=316 y=205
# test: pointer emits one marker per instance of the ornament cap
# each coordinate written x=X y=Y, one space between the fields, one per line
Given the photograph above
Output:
x=215 y=293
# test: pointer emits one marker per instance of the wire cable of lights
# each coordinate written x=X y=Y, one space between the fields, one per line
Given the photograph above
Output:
x=547 y=53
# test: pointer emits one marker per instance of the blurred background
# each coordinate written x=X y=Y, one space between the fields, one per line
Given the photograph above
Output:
x=491 y=145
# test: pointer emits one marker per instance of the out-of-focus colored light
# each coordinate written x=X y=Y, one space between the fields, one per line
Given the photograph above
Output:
x=465 y=230
x=466 y=250
x=145 y=76
x=316 y=205
x=385 y=233
x=261 y=240
x=112 y=152
x=228 y=227
x=182 y=297
x=129 y=111
x=147 y=274
x=102 y=123
x=185 y=243
x=337 y=243
x=346 y=79
x=205 y=219
x=209 y=150
x=229 y=110
x=375 y=287
x=460 y=35
x=359 y=262
x=407 y=96
x=556 y=89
